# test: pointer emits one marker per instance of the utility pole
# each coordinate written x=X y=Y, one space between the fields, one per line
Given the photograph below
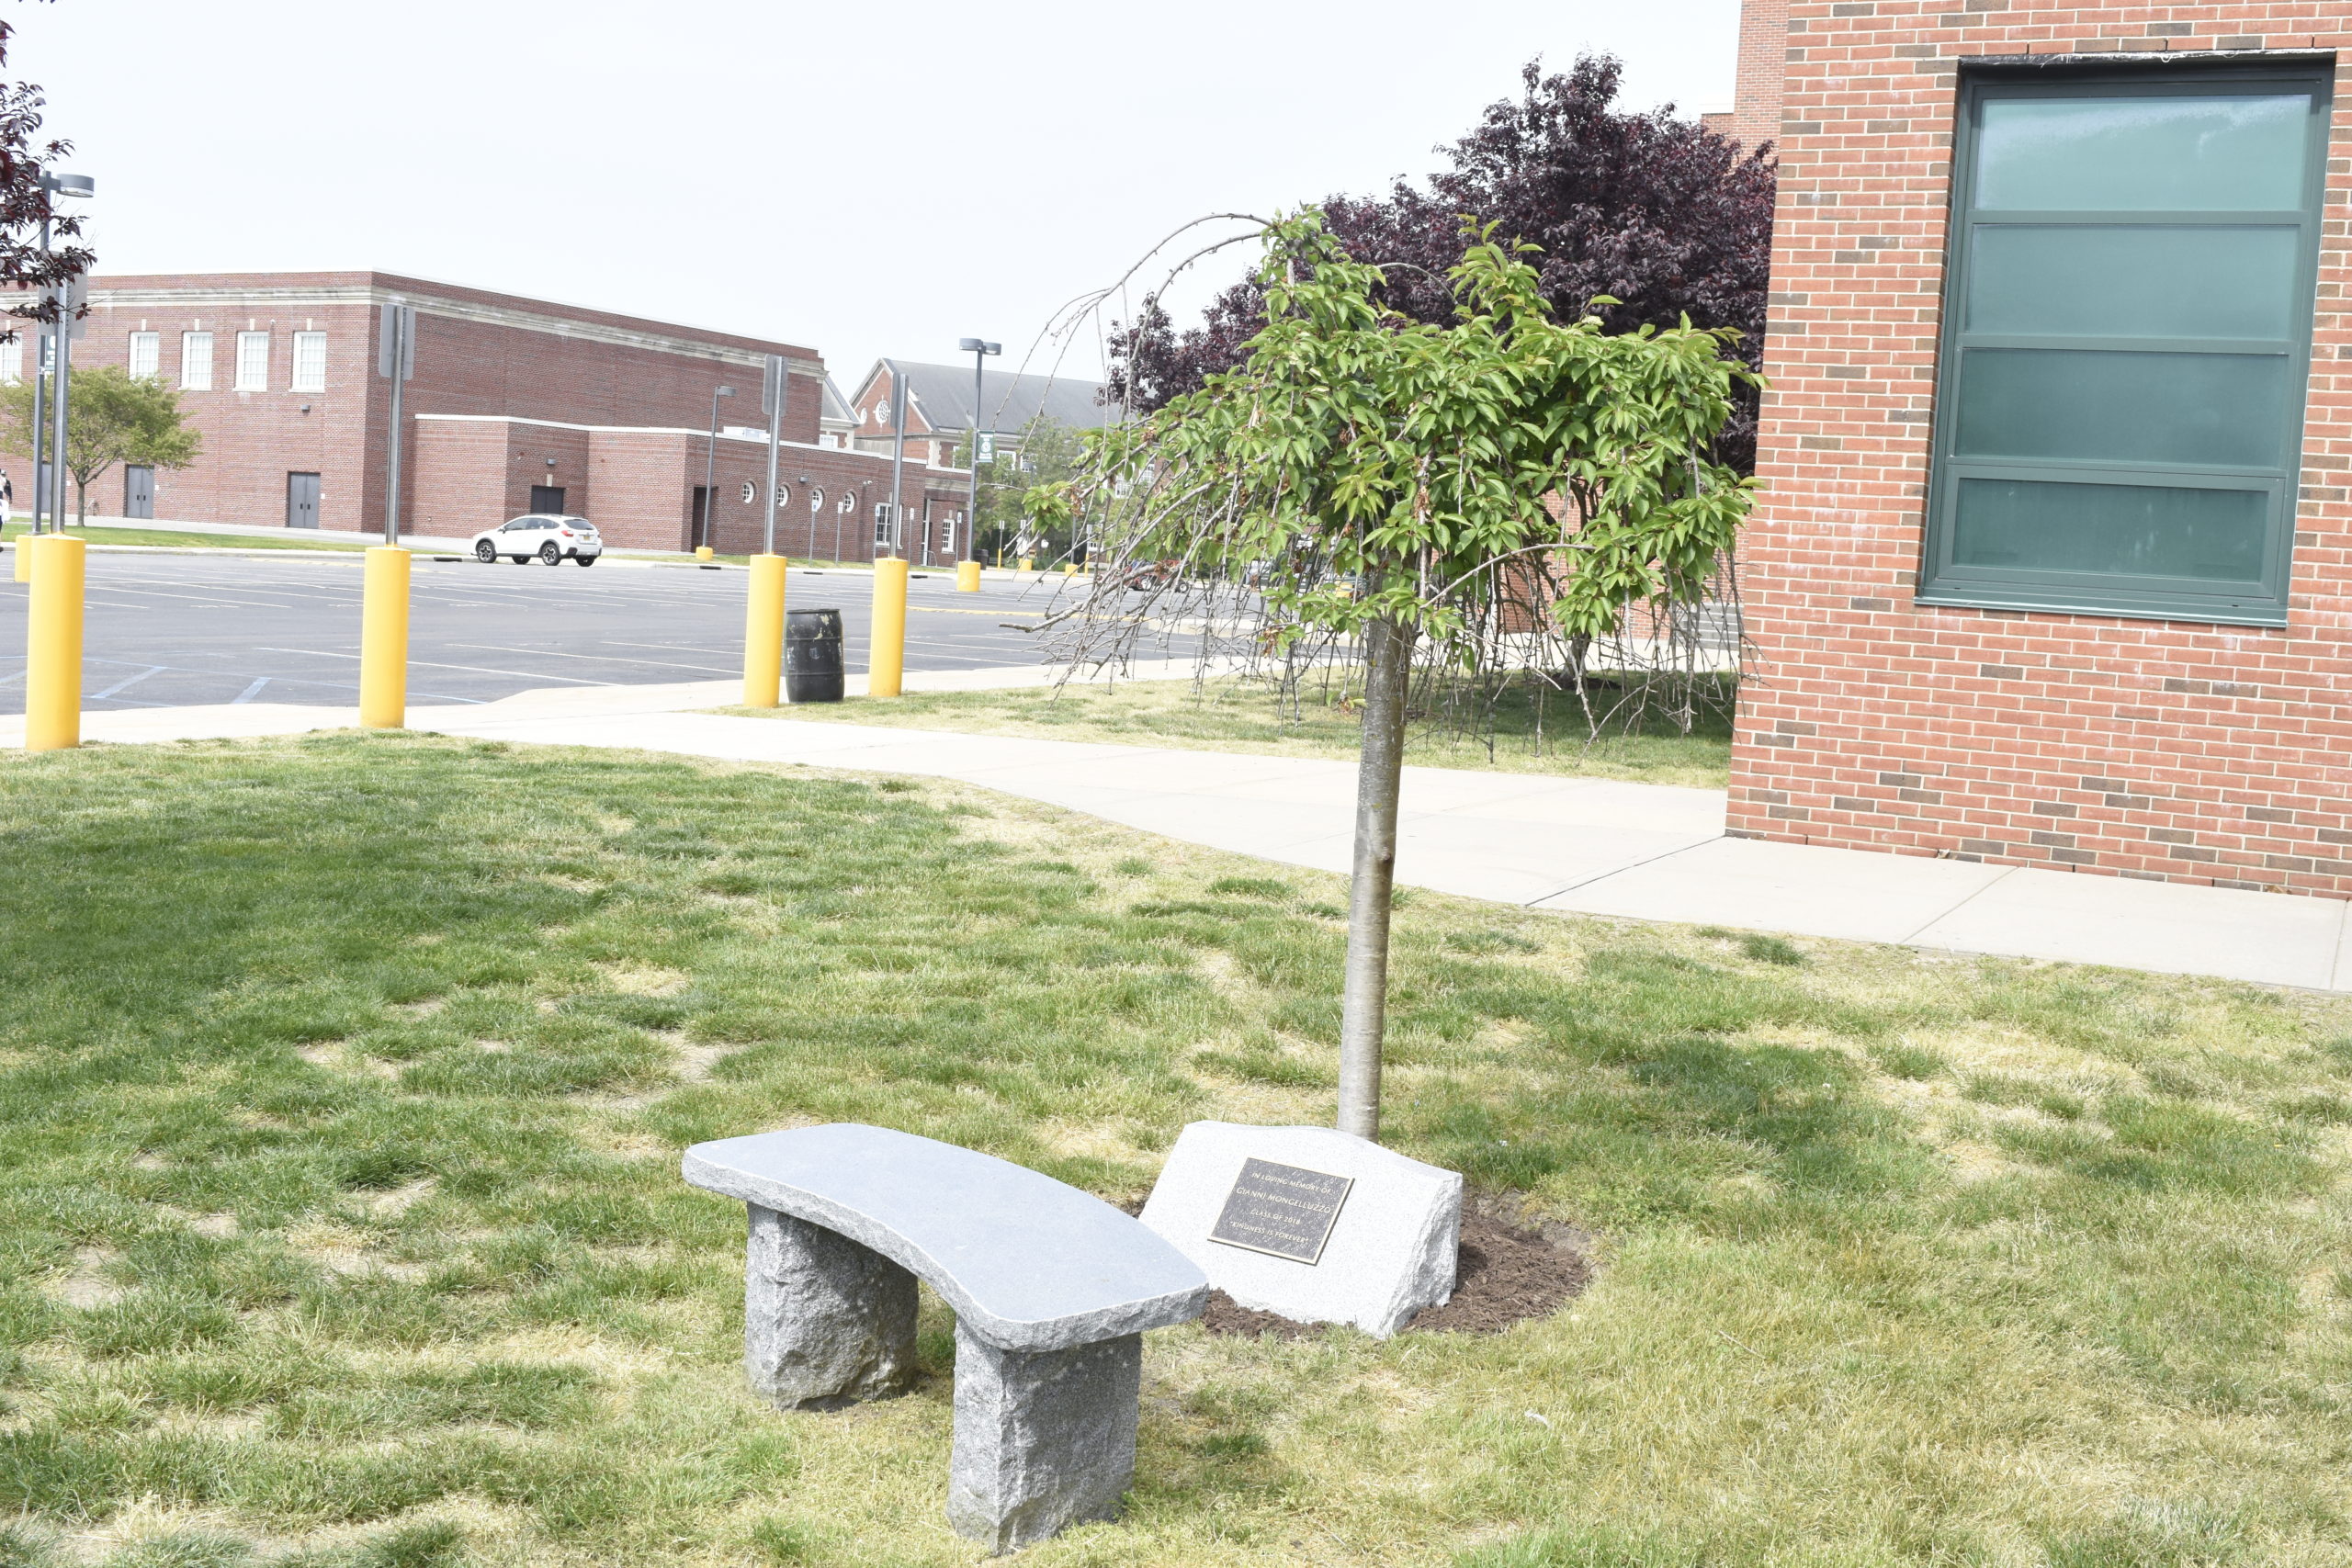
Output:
x=709 y=531
x=40 y=408
x=899 y=455
x=395 y=362
x=979 y=350
x=70 y=296
x=52 y=186
x=773 y=387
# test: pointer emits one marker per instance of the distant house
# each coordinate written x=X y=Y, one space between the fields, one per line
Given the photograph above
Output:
x=939 y=407
x=2053 y=563
x=836 y=426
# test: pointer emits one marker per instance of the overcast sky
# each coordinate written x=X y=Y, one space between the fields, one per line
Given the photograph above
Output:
x=859 y=178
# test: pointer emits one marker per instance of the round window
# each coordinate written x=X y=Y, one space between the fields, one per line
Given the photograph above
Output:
x=783 y=495
x=847 y=505
x=816 y=498
x=751 y=492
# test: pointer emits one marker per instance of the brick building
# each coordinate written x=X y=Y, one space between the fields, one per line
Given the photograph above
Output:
x=940 y=412
x=940 y=417
x=2053 y=563
x=1754 y=118
x=518 y=405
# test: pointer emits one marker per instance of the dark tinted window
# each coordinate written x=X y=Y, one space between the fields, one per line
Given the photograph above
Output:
x=2127 y=342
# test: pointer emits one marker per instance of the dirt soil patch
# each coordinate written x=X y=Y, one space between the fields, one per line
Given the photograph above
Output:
x=1504 y=1274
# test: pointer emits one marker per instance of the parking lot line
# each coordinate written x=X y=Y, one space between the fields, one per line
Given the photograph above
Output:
x=429 y=664
x=127 y=679
x=594 y=658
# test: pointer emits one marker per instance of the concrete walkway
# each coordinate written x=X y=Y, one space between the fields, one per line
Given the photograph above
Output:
x=1591 y=846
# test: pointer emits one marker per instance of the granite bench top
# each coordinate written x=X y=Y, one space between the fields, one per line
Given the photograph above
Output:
x=1028 y=1263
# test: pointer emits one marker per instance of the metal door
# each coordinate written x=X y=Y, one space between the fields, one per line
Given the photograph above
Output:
x=547 y=499
x=137 y=491
x=301 y=501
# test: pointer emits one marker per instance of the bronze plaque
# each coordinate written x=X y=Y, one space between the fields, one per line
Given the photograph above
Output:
x=1281 y=1210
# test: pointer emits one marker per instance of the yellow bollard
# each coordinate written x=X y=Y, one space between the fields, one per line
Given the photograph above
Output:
x=53 y=647
x=764 y=634
x=702 y=552
x=1069 y=569
x=1028 y=563
x=967 y=577
x=383 y=639
x=24 y=558
x=885 y=664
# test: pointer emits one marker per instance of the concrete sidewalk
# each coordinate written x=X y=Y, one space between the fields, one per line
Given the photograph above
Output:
x=1592 y=846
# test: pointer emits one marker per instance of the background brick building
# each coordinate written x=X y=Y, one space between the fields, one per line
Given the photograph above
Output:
x=1906 y=697
x=1754 y=118
x=518 y=405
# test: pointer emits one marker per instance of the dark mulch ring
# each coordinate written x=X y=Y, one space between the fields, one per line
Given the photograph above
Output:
x=1506 y=1274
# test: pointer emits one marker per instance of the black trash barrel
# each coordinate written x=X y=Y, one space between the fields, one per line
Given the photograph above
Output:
x=812 y=656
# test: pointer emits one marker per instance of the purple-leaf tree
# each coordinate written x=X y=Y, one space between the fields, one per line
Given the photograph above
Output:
x=26 y=203
x=1665 y=218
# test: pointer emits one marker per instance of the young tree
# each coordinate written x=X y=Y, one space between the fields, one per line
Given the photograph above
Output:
x=1658 y=215
x=1397 y=479
x=111 y=417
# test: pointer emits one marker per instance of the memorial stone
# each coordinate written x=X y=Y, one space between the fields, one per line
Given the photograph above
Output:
x=1311 y=1223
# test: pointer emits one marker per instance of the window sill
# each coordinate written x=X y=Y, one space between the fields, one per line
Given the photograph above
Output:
x=2270 y=617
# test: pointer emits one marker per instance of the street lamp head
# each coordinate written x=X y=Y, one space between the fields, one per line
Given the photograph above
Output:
x=69 y=184
x=977 y=345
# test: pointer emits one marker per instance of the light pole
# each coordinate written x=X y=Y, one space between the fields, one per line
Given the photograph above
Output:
x=979 y=350
x=776 y=389
x=60 y=334
x=899 y=453
x=396 y=362
x=710 y=470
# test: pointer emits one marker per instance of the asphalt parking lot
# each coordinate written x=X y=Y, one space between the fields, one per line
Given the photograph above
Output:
x=172 y=631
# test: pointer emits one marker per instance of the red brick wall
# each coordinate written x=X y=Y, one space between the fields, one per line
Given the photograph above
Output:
x=637 y=485
x=798 y=532
x=251 y=440
x=459 y=469
x=477 y=352
x=639 y=496
x=1763 y=55
x=2160 y=749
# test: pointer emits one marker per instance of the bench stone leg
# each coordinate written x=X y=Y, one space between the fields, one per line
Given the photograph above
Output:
x=1043 y=1439
x=827 y=1322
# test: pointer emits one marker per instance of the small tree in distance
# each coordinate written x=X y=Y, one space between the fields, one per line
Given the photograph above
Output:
x=1400 y=482
x=112 y=417
x=1046 y=454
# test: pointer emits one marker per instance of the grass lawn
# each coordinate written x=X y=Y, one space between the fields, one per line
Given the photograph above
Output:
x=300 y=540
x=344 y=1081
x=1235 y=715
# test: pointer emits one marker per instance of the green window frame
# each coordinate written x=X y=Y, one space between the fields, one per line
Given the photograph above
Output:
x=2126 y=343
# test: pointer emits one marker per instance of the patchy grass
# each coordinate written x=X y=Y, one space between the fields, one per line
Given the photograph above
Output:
x=1230 y=714
x=107 y=535
x=343 y=1082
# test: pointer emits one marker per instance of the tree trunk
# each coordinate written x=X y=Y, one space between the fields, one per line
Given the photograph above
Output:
x=1389 y=657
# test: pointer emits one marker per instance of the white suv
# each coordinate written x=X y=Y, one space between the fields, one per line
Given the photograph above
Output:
x=552 y=539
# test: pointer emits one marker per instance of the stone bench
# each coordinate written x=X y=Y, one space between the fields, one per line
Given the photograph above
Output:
x=1052 y=1289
